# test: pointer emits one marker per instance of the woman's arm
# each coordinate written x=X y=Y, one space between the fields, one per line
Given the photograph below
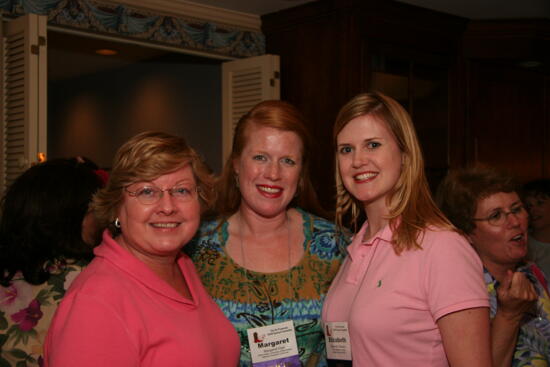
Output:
x=466 y=337
x=516 y=295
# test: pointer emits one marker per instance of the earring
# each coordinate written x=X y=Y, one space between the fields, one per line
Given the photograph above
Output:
x=237 y=180
x=117 y=223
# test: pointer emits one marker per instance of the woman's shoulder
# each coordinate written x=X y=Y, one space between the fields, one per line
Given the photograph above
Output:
x=325 y=237
x=210 y=235
x=26 y=312
x=101 y=279
x=317 y=222
x=437 y=235
x=449 y=244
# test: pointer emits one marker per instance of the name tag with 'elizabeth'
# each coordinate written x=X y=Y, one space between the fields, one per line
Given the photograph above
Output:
x=337 y=341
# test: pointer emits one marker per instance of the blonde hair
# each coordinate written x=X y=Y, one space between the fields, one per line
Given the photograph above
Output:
x=411 y=207
x=146 y=157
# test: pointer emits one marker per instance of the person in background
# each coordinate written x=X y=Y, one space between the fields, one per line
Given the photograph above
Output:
x=484 y=205
x=140 y=301
x=265 y=259
x=411 y=291
x=45 y=241
x=536 y=196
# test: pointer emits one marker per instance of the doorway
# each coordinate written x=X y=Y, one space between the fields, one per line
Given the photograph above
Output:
x=96 y=102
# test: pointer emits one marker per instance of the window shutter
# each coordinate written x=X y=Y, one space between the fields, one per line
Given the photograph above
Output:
x=23 y=66
x=246 y=82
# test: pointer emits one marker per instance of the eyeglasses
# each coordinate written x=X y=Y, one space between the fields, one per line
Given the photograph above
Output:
x=149 y=195
x=499 y=217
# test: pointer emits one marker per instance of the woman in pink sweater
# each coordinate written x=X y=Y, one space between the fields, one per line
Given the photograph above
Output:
x=140 y=301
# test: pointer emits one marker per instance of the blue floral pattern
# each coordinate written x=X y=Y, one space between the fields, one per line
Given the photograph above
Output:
x=533 y=345
x=251 y=299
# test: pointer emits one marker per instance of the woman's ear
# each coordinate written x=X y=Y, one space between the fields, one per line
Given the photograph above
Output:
x=235 y=163
x=470 y=238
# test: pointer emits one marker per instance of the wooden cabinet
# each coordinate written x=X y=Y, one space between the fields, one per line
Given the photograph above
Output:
x=507 y=111
x=506 y=119
x=420 y=82
x=442 y=68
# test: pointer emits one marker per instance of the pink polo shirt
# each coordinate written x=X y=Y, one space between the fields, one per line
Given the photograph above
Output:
x=392 y=303
x=119 y=313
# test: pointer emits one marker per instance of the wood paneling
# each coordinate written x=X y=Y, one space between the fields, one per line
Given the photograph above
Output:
x=485 y=106
x=506 y=119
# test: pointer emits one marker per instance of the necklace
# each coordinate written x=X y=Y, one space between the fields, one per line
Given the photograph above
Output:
x=246 y=273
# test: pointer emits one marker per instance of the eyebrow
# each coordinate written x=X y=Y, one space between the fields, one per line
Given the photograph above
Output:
x=182 y=181
x=515 y=203
x=364 y=140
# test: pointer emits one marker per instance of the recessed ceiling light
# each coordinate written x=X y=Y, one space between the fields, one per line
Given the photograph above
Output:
x=530 y=64
x=106 y=52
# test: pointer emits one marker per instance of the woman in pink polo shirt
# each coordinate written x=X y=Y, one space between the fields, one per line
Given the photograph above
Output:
x=411 y=291
x=140 y=302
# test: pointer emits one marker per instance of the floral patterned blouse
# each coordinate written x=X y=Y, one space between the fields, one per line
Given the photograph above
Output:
x=252 y=299
x=533 y=345
x=26 y=311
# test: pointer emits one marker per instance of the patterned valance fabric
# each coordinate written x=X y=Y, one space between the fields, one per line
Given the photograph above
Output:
x=128 y=22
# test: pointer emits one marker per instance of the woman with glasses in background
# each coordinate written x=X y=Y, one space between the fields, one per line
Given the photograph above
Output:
x=140 y=302
x=484 y=205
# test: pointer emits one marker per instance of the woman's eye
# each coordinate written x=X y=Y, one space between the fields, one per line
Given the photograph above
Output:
x=345 y=150
x=516 y=209
x=373 y=144
x=496 y=215
x=146 y=191
x=289 y=161
x=259 y=157
x=180 y=191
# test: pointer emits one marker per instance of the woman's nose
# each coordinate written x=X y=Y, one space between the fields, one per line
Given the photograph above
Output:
x=273 y=171
x=514 y=219
x=359 y=158
x=166 y=202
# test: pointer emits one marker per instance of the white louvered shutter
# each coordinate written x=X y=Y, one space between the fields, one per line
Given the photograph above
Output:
x=23 y=95
x=246 y=82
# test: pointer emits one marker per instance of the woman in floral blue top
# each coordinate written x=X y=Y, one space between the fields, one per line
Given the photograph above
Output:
x=264 y=260
x=46 y=237
x=484 y=205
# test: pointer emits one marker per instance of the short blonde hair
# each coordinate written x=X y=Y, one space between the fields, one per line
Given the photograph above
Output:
x=410 y=198
x=146 y=157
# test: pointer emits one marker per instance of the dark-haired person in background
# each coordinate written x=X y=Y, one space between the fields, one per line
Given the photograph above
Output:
x=46 y=238
x=536 y=196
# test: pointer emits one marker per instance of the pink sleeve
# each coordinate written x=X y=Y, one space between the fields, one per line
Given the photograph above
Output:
x=454 y=277
x=86 y=332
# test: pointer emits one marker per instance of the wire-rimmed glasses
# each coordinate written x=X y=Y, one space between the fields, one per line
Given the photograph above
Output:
x=150 y=194
x=499 y=217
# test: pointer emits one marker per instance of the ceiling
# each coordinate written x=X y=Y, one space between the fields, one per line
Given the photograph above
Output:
x=472 y=9
x=70 y=55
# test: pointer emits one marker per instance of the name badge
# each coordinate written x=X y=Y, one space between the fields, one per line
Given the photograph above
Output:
x=337 y=341
x=274 y=345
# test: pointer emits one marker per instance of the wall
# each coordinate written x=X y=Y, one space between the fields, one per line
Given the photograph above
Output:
x=93 y=115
